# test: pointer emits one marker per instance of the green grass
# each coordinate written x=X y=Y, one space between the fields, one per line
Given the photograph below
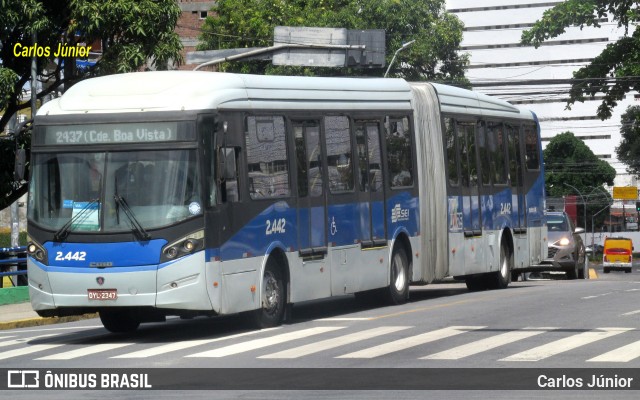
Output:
x=5 y=239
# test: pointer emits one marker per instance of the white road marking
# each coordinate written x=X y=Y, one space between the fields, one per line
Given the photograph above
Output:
x=23 y=340
x=622 y=354
x=335 y=342
x=85 y=351
x=167 y=348
x=27 y=350
x=489 y=343
x=566 y=344
x=631 y=313
x=264 y=342
x=411 y=341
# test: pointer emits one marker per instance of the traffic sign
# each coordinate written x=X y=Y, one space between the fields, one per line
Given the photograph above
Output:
x=625 y=192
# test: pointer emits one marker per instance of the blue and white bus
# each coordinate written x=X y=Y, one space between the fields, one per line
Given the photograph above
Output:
x=200 y=193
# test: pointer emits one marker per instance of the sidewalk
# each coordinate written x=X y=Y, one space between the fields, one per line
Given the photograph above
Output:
x=21 y=315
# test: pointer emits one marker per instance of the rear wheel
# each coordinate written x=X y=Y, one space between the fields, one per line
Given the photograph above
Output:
x=272 y=298
x=501 y=278
x=119 y=320
x=476 y=283
x=398 y=289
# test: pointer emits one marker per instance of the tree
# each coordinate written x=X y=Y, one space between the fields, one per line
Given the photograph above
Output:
x=568 y=160
x=629 y=149
x=132 y=32
x=433 y=56
x=615 y=71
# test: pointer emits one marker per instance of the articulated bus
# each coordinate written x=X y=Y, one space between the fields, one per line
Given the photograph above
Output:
x=201 y=193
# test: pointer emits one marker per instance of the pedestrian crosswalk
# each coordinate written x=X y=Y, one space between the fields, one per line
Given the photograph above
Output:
x=339 y=340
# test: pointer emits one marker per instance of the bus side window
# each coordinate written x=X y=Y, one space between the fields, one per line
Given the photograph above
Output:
x=267 y=161
x=398 y=137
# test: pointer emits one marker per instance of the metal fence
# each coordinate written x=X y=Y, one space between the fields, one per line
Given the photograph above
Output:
x=13 y=265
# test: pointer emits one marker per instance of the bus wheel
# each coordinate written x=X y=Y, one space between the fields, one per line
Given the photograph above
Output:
x=399 y=284
x=502 y=277
x=272 y=299
x=120 y=320
x=476 y=283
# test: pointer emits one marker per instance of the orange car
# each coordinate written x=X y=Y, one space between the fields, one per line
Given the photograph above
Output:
x=617 y=254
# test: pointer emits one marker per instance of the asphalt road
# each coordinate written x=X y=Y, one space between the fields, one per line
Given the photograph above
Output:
x=532 y=328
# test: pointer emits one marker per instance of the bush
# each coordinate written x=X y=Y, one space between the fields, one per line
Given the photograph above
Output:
x=5 y=238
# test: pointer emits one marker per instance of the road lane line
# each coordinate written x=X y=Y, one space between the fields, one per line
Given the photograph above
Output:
x=27 y=350
x=264 y=342
x=631 y=313
x=167 y=348
x=411 y=341
x=85 y=351
x=566 y=344
x=343 y=319
x=596 y=296
x=335 y=342
x=622 y=354
x=486 y=344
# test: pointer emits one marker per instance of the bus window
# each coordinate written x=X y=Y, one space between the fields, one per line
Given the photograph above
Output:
x=484 y=151
x=267 y=157
x=531 y=147
x=369 y=158
x=450 y=142
x=308 y=156
x=514 y=154
x=229 y=185
x=399 y=152
x=339 y=154
x=495 y=137
x=468 y=167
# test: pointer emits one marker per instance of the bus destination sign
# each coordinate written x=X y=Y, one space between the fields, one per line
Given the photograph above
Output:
x=111 y=133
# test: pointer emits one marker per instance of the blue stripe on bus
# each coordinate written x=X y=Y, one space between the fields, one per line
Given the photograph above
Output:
x=121 y=254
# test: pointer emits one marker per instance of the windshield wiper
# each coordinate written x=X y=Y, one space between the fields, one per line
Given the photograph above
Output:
x=63 y=232
x=135 y=224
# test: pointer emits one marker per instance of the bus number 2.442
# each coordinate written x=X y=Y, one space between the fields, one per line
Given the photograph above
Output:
x=276 y=226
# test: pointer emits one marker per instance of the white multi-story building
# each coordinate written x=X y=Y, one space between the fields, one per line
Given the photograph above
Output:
x=532 y=78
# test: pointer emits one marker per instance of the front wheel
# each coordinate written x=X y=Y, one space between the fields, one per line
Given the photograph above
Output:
x=119 y=320
x=272 y=298
x=399 y=285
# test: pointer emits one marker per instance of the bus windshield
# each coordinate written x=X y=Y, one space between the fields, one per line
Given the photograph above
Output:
x=101 y=191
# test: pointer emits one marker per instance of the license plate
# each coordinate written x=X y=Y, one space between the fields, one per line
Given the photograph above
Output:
x=102 y=294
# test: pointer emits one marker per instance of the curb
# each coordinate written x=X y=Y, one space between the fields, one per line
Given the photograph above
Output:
x=39 y=321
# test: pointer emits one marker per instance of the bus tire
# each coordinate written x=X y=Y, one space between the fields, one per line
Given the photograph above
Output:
x=501 y=278
x=398 y=289
x=120 y=320
x=272 y=298
x=476 y=283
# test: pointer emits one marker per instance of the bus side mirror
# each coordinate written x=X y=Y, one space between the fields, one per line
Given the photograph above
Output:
x=20 y=164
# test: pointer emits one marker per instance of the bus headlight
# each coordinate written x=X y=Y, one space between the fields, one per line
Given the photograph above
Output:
x=35 y=250
x=183 y=246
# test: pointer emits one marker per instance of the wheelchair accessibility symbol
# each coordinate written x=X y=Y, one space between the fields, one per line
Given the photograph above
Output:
x=334 y=228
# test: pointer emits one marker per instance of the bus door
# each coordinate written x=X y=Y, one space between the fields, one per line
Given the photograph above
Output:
x=371 y=204
x=312 y=240
x=517 y=180
x=471 y=215
x=518 y=210
x=534 y=207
